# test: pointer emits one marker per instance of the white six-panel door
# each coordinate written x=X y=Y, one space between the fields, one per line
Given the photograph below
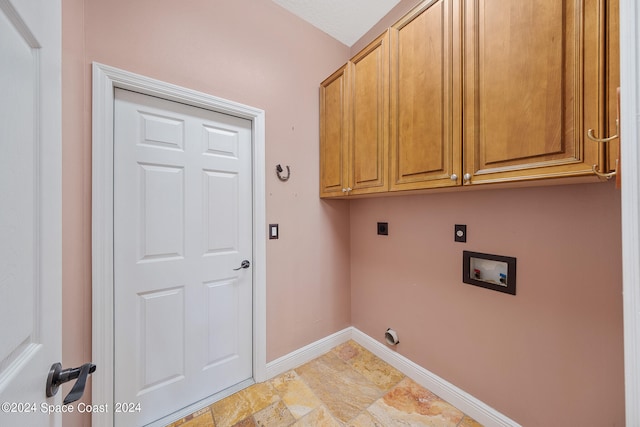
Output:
x=30 y=210
x=182 y=226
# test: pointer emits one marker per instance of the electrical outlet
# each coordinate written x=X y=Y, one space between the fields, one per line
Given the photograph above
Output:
x=460 y=233
x=383 y=228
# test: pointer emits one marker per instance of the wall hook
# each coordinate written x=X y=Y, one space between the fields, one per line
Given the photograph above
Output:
x=279 y=172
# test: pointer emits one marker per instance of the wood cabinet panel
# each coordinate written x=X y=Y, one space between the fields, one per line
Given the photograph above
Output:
x=521 y=79
x=530 y=77
x=333 y=134
x=369 y=77
x=354 y=135
x=425 y=141
x=473 y=92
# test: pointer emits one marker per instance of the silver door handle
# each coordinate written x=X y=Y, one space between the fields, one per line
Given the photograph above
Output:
x=243 y=264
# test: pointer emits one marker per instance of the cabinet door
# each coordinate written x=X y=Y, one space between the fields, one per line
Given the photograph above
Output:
x=531 y=88
x=333 y=134
x=425 y=91
x=369 y=135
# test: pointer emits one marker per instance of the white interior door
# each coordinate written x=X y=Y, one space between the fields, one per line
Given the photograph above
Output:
x=182 y=229
x=30 y=203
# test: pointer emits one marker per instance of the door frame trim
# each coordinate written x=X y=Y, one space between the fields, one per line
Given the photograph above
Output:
x=630 y=155
x=105 y=80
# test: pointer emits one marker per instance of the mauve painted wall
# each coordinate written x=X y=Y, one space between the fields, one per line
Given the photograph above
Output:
x=559 y=354
x=552 y=355
x=248 y=51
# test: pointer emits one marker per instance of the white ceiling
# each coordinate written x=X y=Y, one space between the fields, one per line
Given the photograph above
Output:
x=344 y=20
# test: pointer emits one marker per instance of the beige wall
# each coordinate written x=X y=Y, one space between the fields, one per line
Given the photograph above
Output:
x=248 y=51
x=551 y=355
x=561 y=346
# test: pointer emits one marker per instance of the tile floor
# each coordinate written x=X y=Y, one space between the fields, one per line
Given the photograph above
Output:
x=348 y=386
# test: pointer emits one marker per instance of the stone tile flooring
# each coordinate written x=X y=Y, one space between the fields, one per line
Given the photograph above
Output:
x=347 y=386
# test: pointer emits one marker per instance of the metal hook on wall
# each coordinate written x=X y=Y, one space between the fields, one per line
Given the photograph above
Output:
x=279 y=172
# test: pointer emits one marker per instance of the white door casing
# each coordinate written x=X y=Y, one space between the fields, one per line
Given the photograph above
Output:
x=30 y=209
x=182 y=228
x=630 y=166
x=105 y=80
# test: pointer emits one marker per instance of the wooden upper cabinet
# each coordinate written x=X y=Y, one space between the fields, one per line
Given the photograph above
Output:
x=334 y=134
x=465 y=92
x=369 y=134
x=425 y=98
x=354 y=136
x=532 y=87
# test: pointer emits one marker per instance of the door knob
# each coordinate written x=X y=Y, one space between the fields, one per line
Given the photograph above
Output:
x=243 y=264
x=58 y=376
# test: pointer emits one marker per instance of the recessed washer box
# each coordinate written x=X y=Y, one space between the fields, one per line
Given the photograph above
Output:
x=495 y=272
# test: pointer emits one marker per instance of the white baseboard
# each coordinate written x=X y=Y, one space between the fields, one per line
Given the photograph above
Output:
x=462 y=400
x=307 y=353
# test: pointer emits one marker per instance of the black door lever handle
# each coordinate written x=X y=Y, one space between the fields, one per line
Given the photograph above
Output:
x=244 y=264
x=58 y=376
